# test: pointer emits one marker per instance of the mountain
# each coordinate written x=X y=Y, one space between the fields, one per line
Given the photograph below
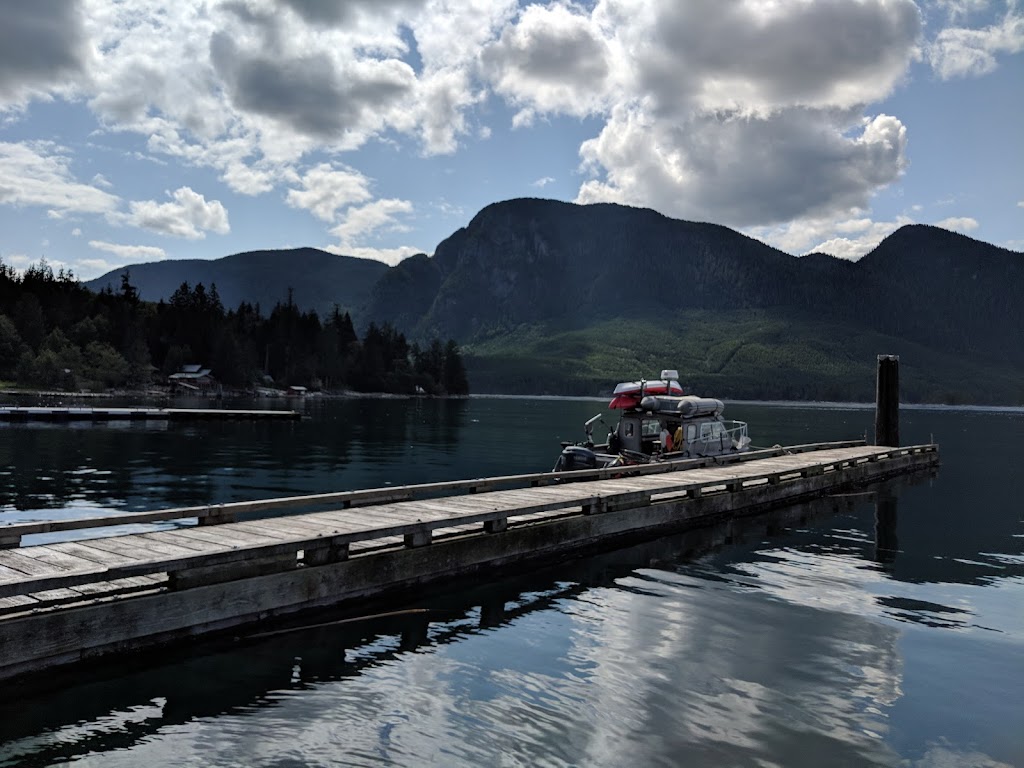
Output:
x=551 y=295
x=318 y=279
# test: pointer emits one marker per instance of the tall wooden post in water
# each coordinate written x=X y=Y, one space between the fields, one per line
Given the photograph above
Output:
x=887 y=401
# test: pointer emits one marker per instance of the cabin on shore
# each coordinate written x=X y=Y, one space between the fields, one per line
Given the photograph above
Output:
x=193 y=379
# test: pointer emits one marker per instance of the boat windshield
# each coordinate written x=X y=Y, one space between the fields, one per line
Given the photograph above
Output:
x=650 y=428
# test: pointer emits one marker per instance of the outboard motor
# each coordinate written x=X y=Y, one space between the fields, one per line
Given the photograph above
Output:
x=575 y=457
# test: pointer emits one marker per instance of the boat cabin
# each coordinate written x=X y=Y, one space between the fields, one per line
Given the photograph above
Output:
x=641 y=431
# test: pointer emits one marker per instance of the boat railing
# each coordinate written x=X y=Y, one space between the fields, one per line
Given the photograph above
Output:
x=735 y=431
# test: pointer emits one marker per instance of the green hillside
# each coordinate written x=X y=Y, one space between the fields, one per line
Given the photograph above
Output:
x=736 y=355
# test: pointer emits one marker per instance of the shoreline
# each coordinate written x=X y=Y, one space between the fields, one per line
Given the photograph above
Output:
x=150 y=395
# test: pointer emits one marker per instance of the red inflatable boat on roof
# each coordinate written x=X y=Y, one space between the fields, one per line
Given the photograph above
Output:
x=628 y=394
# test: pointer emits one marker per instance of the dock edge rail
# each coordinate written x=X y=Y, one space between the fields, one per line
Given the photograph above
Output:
x=213 y=514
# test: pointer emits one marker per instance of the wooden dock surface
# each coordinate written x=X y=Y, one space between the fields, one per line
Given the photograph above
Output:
x=44 y=413
x=69 y=600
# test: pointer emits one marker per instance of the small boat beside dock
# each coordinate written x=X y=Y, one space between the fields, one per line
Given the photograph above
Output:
x=71 y=413
x=658 y=422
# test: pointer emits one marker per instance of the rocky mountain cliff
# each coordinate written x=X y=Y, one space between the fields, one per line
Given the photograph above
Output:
x=566 y=266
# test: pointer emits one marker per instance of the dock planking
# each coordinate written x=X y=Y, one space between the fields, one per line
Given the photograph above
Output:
x=140 y=589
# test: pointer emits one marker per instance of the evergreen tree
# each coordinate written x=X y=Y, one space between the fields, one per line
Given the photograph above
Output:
x=11 y=346
x=455 y=381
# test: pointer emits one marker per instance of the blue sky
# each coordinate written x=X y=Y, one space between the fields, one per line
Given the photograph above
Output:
x=137 y=131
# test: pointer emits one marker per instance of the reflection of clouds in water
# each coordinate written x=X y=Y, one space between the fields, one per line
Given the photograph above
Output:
x=846 y=583
x=92 y=730
x=942 y=755
x=650 y=672
x=661 y=669
x=712 y=672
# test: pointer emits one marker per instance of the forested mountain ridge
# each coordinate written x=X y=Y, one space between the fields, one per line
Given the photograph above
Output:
x=319 y=280
x=560 y=298
x=538 y=261
x=554 y=297
x=57 y=334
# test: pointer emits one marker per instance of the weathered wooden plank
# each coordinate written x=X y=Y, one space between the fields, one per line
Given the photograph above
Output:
x=155 y=548
x=10 y=574
x=338 y=522
x=174 y=538
x=98 y=556
x=54 y=557
x=278 y=529
x=235 y=536
x=12 y=558
x=17 y=603
x=380 y=518
x=441 y=510
x=117 y=586
x=57 y=596
x=124 y=546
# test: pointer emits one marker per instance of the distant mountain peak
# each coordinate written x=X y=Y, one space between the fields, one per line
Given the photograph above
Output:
x=318 y=279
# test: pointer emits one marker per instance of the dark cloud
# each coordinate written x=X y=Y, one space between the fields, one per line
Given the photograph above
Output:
x=308 y=93
x=798 y=163
x=552 y=60
x=332 y=13
x=828 y=51
x=42 y=43
x=567 y=55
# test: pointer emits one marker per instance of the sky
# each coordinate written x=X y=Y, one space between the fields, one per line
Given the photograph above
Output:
x=136 y=131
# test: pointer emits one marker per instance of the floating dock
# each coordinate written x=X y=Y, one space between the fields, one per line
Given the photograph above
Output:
x=32 y=413
x=70 y=601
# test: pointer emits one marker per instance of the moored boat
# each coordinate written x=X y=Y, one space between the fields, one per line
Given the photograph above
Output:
x=658 y=422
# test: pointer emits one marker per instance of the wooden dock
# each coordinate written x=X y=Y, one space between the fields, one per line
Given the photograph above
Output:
x=74 y=600
x=43 y=413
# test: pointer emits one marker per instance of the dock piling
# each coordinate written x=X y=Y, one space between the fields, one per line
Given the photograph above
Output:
x=887 y=401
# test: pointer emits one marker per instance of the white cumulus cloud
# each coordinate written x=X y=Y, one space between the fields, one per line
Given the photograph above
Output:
x=744 y=171
x=40 y=174
x=130 y=252
x=187 y=215
x=740 y=113
x=389 y=256
x=325 y=190
x=373 y=217
x=967 y=52
x=552 y=60
x=958 y=223
x=845 y=238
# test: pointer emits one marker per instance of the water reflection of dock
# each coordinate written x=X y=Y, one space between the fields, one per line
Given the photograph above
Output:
x=69 y=601
x=31 y=413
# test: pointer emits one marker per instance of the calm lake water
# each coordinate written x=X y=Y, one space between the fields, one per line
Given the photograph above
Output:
x=885 y=629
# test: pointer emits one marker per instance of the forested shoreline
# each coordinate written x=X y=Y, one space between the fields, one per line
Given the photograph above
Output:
x=57 y=334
